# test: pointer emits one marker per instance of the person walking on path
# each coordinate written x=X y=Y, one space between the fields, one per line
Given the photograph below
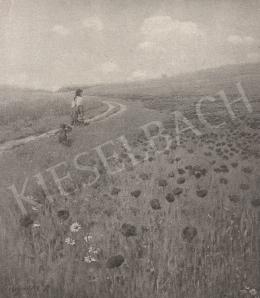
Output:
x=77 y=113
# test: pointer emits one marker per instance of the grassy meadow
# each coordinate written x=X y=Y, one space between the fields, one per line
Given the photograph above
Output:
x=181 y=223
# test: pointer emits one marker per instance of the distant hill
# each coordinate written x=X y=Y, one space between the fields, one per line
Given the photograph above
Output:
x=74 y=87
x=203 y=82
x=9 y=94
x=21 y=89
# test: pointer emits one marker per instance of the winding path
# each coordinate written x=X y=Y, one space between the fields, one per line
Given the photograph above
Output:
x=114 y=108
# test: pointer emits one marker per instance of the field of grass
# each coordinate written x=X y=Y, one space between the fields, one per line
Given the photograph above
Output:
x=182 y=223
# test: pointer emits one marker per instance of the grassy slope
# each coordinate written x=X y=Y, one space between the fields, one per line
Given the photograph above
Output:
x=159 y=261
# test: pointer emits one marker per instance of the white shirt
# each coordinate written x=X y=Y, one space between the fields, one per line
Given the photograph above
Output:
x=77 y=102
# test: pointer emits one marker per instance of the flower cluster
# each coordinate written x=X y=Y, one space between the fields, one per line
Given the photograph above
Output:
x=70 y=241
x=88 y=238
x=247 y=290
x=89 y=259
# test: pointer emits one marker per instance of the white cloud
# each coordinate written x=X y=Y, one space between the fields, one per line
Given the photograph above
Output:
x=61 y=30
x=159 y=27
x=249 y=40
x=148 y=46
x=235 y=39
x=109 y=67
x=137 y=75
x=241 y=40
x=93 y=23
x=164 y=40
x=141 y=75
x=253 y=57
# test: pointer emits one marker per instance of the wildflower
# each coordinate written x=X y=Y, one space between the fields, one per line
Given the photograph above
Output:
x=223 y=180
x=151 y=269
x=93 y=250
x=189 y=233
x=63 y=214
x=170 y=197
x=202 y=193
x=155 y=204
x=162 y=183
x=136 y=193
x=26 y=221
x=115 y=191
x=181 y=171
x=89 y=259
x=253 y=292
x=36 y=225
x=181 y=180
x=75 y=227
x=171 y=174
x=177 y=191
x=247 y=170
x=128 y=230
x=69 y=241
x=255 y=202
x=88 y=238
x=234 y=198
x=244 y=186
x=115 y=261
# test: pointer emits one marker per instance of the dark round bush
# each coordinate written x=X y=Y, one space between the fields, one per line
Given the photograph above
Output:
x=170 y=197
x=128 y=230
x=115 y=261
x=155 y=204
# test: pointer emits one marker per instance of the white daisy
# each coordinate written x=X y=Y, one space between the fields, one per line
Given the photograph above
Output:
x=69 y=241
x=75 y=227
x=89 y=259
x=253 y=292
x=88 y=238
x=93 y=250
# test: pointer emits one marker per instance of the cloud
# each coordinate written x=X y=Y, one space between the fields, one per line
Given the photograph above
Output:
x=253 y=57
x=163 y=40
x=93 y=23
x=241 y=40
x=141 y=75
x=109 y=67
x=158 y=27
x=148 y=46
x=137 y=75
x=61 y=30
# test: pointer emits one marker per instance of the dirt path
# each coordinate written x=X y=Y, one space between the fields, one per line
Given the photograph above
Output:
x=114 y=108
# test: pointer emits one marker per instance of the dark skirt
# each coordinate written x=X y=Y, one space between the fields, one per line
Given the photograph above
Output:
x=77 y=115
x=74 y=116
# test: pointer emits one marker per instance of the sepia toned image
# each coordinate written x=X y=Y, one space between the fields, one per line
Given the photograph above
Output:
x=129 y=149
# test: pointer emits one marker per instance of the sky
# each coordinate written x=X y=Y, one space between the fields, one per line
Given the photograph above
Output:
x=53 y=43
